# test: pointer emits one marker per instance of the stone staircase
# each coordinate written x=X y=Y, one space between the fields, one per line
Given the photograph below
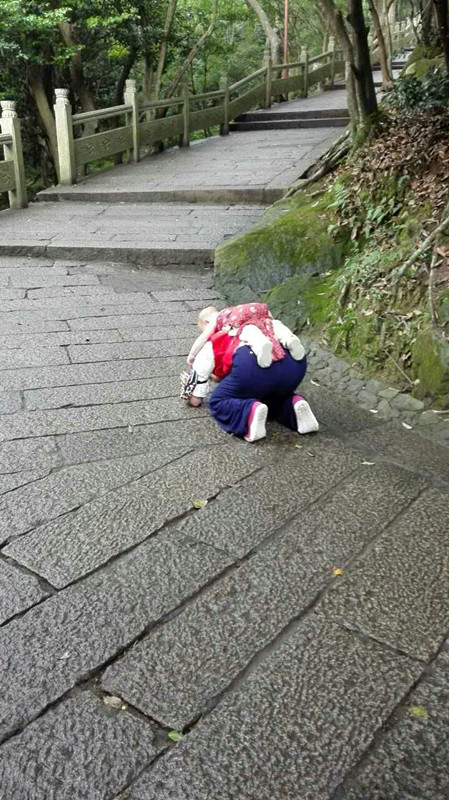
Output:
x=285 y=118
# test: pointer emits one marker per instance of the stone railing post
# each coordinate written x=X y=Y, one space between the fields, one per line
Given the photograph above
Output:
x=131 y=99
x=305 y=61
x=224 y=86
x=333 y=49
x=269 y=76
x=10 y=125
x=64 y=134
x=185 y=141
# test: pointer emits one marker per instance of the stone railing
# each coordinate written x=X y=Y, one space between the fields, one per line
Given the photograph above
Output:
x=12 y=171
x=139 y=125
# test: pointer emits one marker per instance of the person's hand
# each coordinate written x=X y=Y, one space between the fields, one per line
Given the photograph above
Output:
x=190 y=360
x=215 y=378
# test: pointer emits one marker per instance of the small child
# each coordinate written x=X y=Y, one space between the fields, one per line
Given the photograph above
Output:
x=253 y=324
x=212 y=352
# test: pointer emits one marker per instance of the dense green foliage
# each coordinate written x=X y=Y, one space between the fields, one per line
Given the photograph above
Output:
x=93 y=46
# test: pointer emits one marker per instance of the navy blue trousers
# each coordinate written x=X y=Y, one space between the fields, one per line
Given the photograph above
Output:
x=231 y=401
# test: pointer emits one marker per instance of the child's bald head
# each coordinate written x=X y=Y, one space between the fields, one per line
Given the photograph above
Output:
x=205 y=316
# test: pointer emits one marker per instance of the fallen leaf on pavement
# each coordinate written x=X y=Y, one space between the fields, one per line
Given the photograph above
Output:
x=175 y=736
x=418 y=711
x=199 y=503
x=338 y=572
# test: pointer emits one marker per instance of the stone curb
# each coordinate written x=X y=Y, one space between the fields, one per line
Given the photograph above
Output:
x=384 y=401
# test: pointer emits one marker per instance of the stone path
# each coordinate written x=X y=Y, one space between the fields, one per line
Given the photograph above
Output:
x=171 y=209
x=294 y=629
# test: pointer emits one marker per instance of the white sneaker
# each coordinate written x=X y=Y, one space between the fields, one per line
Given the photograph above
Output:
x=257 y=422
x=296 y=349
x=305 y=418
x=265 y=354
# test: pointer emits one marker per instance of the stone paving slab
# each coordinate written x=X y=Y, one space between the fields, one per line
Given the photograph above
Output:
x=295 y=727
x=89 y=752
x=16 y=479
x=12 y=294
x=10 y=402
x=215 y=638
x=84 y=353
x=18 y=326
x=117 y=443
x=82 y=628
x=359 y=505
x=71 y=487
x=69 y=309
x=80 y=374
x=128 y=320
x=404 y=446
x=113 y=415
x=32 y=357
x=55 y=276
x=17 y=456
x=101 y=393
x=72 y=546
x=104 y=298
x=398 y=591
x=411 y=757
x=57 y=338
x=157 y=334
x=18 y=591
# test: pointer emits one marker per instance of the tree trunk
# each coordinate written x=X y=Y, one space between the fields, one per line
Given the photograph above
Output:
x=442 y=12
x=39 y=96
x=385 y=64
x=195 y=49
x=337 y=24
x=171 y=11
x=363 y=72
x=78 y=84
x=426 y=24
x=268 y=29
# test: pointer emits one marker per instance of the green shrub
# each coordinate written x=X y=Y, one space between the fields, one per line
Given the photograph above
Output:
x=411 y=92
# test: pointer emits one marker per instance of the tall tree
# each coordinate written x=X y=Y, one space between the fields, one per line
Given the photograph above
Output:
x=442 y=15
x=269 y=30
x=363 y=69
x=385 y=62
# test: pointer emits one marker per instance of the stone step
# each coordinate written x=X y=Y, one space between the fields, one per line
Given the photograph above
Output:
x=121 y=231
x=214 y=196
x=284 y=113
x=267 y=125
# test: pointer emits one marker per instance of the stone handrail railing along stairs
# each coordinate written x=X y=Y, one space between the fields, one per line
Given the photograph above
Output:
x=140 y=124
x=135 y=131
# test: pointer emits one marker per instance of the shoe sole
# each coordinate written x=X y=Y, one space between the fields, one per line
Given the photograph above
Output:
x=258 y=424
x=305 y=418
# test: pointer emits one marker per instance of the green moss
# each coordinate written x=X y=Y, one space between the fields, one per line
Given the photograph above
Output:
x=424 y=51
x=431 y=366
x=420 y=67
x=301 y=301
x=292 y=239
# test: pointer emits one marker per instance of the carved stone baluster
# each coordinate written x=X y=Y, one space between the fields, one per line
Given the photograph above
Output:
x=64 y=133
x=10 y=125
